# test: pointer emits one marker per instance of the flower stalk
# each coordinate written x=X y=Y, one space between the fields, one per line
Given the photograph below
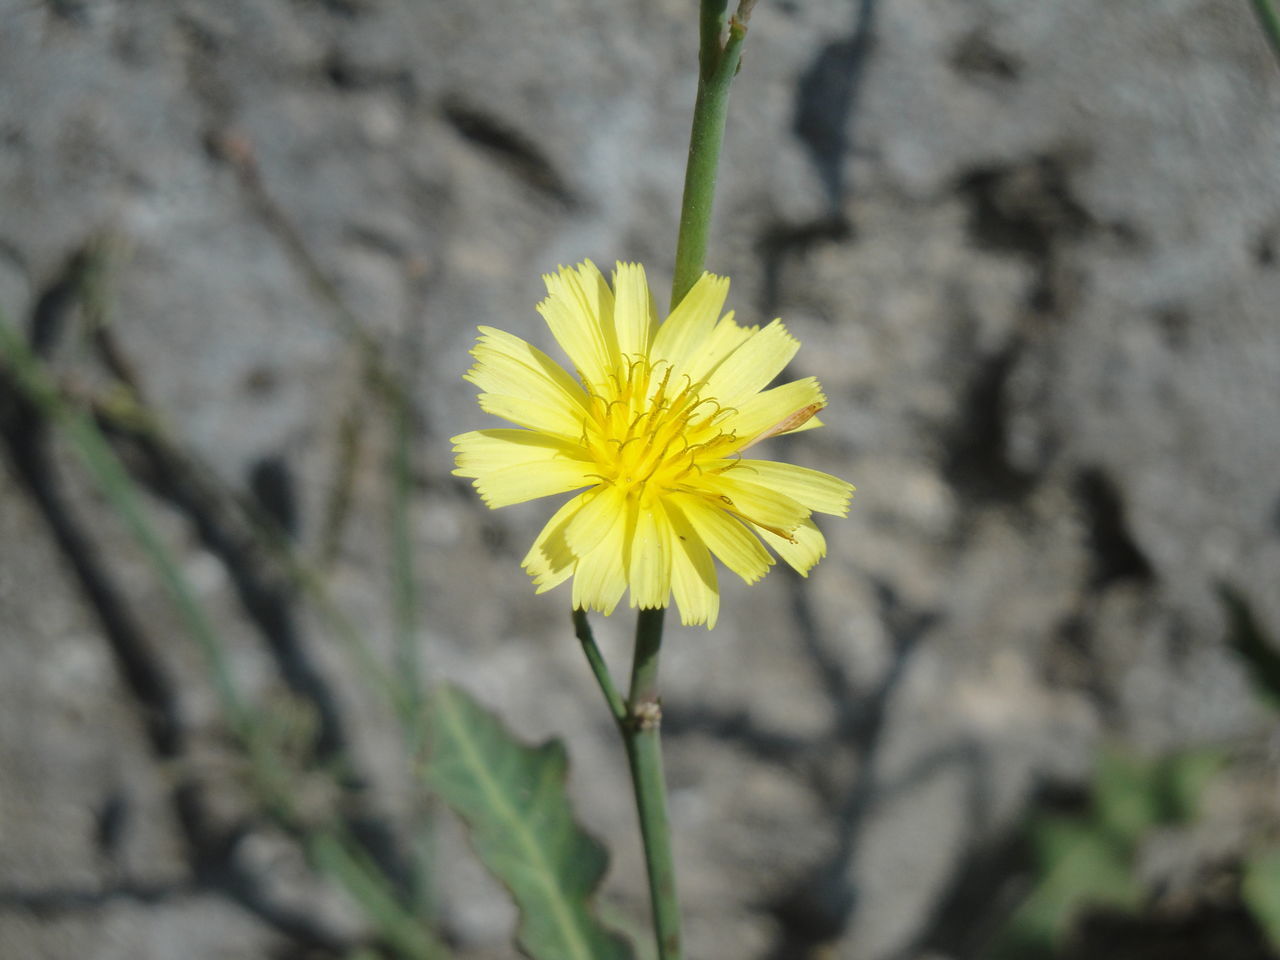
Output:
x=638 y=719
x=640 y=732
x=718 y=63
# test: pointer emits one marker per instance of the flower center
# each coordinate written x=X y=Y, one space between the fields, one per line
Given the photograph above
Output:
x=649 y=431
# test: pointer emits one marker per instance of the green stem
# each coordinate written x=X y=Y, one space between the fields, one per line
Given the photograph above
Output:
x=408 y=654
x=639 y=717
x=718 y=63
x=404 y=594
x=640 y=732
x=639 y=724
x=1269 y=18
x=710 y=27
x=617 y=706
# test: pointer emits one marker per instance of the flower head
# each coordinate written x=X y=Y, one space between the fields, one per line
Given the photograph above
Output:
x=654 y=428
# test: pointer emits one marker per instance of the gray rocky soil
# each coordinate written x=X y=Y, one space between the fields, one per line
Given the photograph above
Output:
x=1032 y=250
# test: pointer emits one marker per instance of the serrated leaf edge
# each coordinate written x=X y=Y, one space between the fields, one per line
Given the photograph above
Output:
x=446 y=708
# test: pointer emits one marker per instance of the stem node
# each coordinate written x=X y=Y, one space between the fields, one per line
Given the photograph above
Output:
x=646 y=715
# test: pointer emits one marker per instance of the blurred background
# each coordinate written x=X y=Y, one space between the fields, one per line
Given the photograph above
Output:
x=1028 y=705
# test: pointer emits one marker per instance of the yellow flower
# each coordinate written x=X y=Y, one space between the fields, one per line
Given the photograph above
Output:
x=654 y=428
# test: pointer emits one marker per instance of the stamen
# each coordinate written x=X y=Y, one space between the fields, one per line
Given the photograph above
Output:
x=710 y=400
x=646 y=431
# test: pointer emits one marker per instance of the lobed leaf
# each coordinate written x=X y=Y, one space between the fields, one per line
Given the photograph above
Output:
x=512 y=798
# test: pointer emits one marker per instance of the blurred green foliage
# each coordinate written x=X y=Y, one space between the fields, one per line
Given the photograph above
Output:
x=1087 y=860
x=1261 y=891
x=1260 y=886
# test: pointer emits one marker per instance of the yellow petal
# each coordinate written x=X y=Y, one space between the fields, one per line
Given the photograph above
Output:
x=737 y=548
x=725 y=337
x=649 y=561
x=633 y=313
x=512 y=466
x=772 y=407
x=508 y=366
x=693 y=574
x=692 y=321
x=808 y=548
x=601 y=578
x=751 y=367
x=502 y=488
x=812 y=488
x=598 y=516
x=549 y=561
x=552 y=420
x=485 y=451
x=579 y=311
x=764 y=507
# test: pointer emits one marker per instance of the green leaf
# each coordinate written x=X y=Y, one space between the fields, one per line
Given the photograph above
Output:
x=1126 y=796
x=1183 y=779
x=1081 y=866
x=1261 y=891
x=512 y=797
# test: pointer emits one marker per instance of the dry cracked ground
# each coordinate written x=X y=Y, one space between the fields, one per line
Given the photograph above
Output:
x=1031 y=249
